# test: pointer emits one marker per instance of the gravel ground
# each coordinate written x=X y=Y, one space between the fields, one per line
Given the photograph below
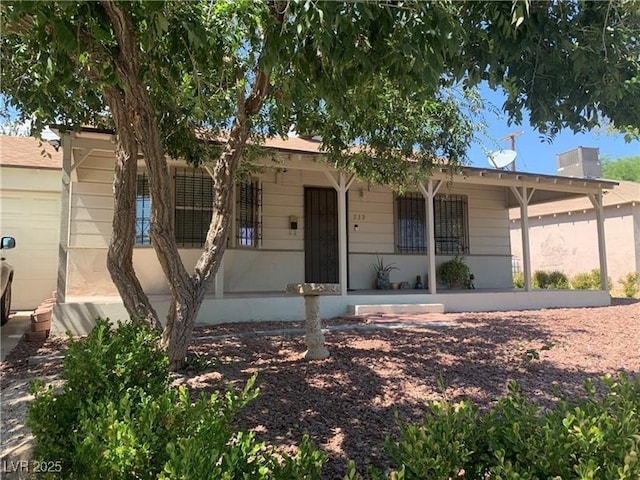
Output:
x=347 y=402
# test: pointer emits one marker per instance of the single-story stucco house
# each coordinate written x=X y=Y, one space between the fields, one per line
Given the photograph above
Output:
x=562 y=234
x=30 y=185
x=300 y=220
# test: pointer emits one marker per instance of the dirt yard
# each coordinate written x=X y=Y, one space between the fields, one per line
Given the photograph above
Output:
x=347 y=402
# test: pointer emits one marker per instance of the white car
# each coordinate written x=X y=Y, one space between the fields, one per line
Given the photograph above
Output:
x=6 y=277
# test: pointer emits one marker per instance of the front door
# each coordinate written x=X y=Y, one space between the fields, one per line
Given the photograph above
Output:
x=321 y=235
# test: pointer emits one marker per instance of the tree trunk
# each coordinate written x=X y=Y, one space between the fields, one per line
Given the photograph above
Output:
x=183 y=307
x=120 y=253
x=187 y=291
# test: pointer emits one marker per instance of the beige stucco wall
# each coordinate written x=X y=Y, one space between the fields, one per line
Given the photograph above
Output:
x=280 y=259
x=30 y=212
x=569 y=242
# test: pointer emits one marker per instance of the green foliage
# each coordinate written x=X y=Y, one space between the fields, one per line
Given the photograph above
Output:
x=138 y=426
x=540 y=279
x=584 y=281
x=554 y=279
x=588 y=281
x=382 y=272
x=344 y=70
x=446 y=442
x=630 y=284
x=518 y=280
x=558 y=279
x=624 y=168
x=108 y=364
x=454 y=273
x=112 y=361
x=381 y=268
x=592 y=437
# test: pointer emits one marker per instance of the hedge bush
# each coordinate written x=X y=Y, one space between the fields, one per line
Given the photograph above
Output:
x=454 y=273
x=555 y=279
x=588 y=281
x=118 y=417
x=540 y=279
x=518 y=280
x=558 y=280
x=593 y=437
x=630 y=284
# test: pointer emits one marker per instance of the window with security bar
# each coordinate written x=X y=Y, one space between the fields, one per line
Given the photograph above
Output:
x=193 y=206
x=143 y=210
x=248 y=200
x=411 y=224
x=450 y=222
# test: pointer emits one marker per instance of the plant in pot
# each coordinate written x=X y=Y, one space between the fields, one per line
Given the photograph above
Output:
x=382 y=271
x=454 y=273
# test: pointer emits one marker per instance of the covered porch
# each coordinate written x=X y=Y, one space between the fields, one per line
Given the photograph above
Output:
x=77 y=313
x=273 y=250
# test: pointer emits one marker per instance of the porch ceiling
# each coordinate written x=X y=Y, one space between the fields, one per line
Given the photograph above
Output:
x=546 y=188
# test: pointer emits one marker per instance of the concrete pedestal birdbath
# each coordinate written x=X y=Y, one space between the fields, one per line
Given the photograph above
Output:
x=313 y=328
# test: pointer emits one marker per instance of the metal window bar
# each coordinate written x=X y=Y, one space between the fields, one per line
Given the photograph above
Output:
x=411 y=218
x=143 y=210
x=248 y=224
x=515 y=266
x=451 y=224
x=193 y=206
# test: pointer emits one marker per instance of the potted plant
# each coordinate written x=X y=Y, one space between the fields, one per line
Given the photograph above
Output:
x=382 y=273
x=454 y=273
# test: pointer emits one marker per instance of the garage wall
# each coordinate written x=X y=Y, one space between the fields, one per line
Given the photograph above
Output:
x=30 y=212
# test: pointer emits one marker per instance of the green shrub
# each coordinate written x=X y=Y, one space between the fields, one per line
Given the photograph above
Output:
x=106 y=365
x=454 y=273
x=137 y=426
x=588 y=281
x=592 y=437
x=518 y=280
x=555 y=279
x=583 y=281
x=540 y=279
x=558 y=280
x=630 y=284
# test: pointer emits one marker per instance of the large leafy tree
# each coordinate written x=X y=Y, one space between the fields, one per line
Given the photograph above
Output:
x=176 y=77
x=623 y=168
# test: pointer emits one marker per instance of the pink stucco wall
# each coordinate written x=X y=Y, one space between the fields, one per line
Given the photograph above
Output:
x=569 y=242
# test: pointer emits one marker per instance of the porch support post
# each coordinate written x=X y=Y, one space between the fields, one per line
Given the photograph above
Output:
x=341 y=186
x=524 y=197
x=218 y=280
x=65 y=219
x=596 y=200
x=429 y=192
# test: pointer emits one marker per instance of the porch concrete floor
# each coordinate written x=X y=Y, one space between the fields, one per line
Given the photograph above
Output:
x=408 y=291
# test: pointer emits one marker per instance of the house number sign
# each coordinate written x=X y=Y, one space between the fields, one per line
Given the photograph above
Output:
x=358 y=216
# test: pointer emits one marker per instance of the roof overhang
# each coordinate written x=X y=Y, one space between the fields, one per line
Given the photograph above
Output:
x=545 y=188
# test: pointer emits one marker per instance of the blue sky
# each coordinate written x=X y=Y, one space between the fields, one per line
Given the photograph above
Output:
x=537 y=155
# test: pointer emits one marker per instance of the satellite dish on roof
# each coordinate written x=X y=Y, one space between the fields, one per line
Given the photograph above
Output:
x=502 y=158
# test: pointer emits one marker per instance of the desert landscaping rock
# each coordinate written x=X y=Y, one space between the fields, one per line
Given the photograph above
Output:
x=347 y=402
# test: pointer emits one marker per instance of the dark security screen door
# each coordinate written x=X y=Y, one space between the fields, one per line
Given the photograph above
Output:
x=321 y=235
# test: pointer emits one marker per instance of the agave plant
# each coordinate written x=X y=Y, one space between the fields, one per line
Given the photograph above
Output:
x=382 y=272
